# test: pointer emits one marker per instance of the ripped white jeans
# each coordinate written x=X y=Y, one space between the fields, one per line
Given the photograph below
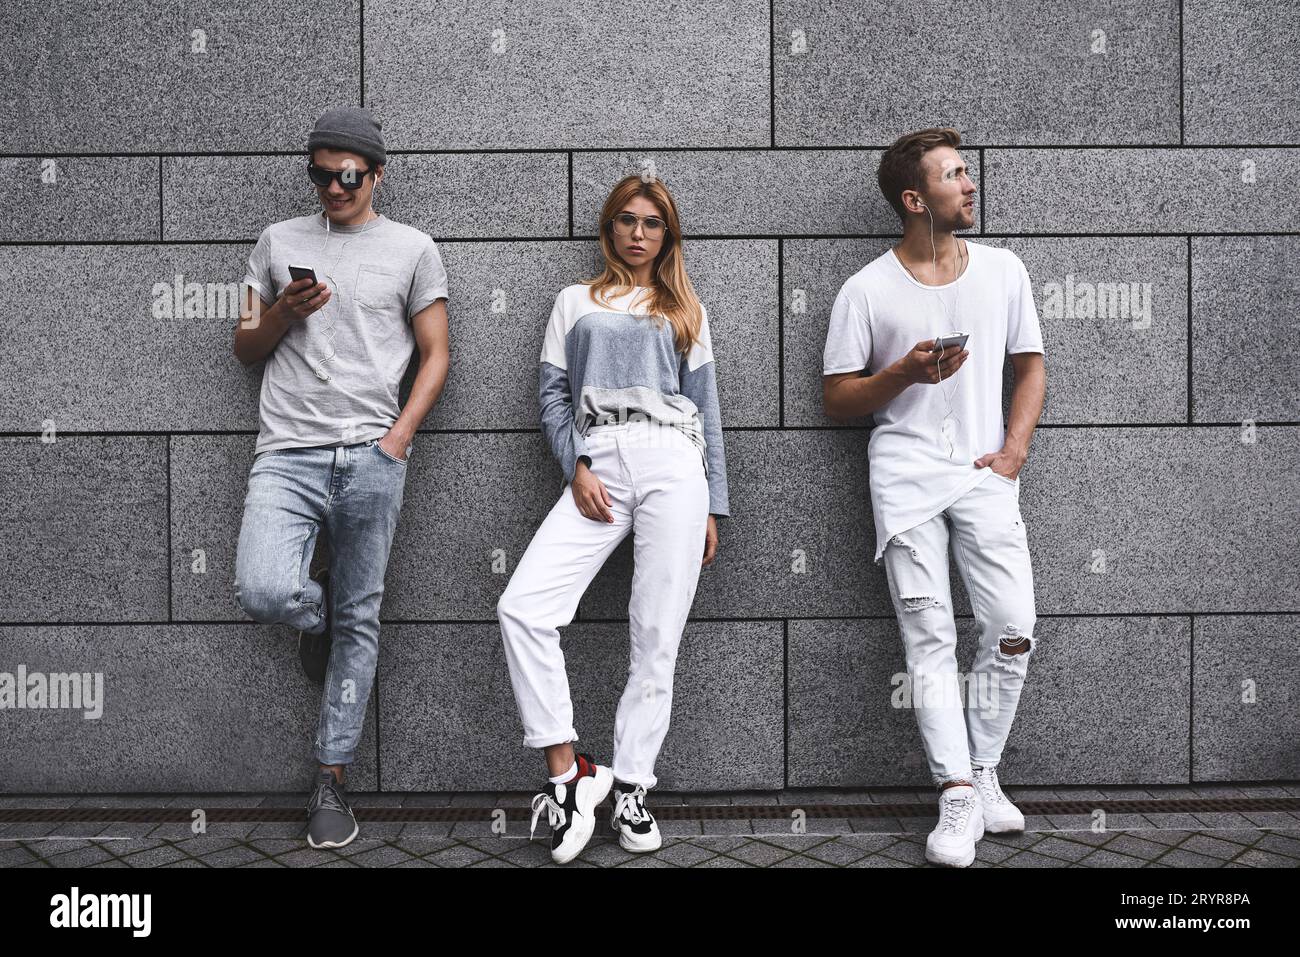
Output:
x=965 y=718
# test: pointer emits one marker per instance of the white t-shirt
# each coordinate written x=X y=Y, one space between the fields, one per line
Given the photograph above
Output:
x=880 y=314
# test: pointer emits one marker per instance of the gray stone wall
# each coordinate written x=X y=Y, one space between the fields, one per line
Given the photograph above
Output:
x=1152 y=145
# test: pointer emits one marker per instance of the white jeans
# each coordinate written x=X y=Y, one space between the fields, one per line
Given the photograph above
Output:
x=991 y=547
x=655 y=478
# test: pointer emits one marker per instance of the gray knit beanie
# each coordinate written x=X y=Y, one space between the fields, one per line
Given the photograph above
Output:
x=350 y=128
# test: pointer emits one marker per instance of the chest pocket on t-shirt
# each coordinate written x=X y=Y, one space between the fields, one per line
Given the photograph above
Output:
x=379 y=305
x=377 y=290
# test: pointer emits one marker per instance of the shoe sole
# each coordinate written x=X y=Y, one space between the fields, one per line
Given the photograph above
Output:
x=604 y=780
x=305 y=639
x=305 y=655
x=1011 y=828
x=627 y=845
x=328 y=844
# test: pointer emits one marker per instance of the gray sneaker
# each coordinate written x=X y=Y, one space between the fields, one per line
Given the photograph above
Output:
x=331 y=823
x=314 y=650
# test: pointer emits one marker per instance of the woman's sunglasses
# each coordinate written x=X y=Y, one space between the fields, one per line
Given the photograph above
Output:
x=625 y=225
x=350 y=178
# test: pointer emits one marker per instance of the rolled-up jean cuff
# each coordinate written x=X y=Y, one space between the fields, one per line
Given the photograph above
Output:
x=553 y=737
x=335 y=757
x=646 y=781
x=941 y=779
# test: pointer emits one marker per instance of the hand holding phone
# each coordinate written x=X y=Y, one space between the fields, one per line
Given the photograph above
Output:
x=305 y=294
x=934 y=360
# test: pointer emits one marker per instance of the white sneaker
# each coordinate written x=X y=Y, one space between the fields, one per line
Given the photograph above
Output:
x=1000 y=815
x=636 y=827
x=571 y=808
x=961 y=824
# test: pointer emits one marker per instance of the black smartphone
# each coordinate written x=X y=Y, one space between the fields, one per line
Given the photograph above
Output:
x=303 y=272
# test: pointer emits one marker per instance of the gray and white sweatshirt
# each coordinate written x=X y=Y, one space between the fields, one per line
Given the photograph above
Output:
x=601 y=364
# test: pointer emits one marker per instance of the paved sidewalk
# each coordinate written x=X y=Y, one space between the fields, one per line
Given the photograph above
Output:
x=782 y=829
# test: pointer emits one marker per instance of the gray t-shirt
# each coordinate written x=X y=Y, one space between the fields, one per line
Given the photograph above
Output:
x=333 y=378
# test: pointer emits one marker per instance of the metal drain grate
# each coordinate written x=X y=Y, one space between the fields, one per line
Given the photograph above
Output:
x=672 y=812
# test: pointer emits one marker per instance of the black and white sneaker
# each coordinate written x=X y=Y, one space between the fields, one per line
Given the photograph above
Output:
x=571 y=808
x=314 y=650
x=330 y=820
x=636 y=827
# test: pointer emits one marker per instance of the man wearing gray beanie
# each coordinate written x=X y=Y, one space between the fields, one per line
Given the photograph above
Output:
x=337 y=303
x=351 y=128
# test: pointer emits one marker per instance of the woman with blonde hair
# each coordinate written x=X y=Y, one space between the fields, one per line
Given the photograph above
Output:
x=629 y=406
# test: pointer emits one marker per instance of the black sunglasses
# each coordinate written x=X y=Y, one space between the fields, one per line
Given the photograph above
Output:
x=350 y=178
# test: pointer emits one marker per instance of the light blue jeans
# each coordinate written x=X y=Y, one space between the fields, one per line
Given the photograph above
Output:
x=355 y=492
x=965 y=718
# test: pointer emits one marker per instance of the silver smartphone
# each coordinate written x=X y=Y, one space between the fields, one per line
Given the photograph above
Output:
x=957 y=339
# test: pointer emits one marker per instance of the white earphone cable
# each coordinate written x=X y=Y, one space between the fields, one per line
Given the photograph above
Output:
x=330 y=330
x=944 y=429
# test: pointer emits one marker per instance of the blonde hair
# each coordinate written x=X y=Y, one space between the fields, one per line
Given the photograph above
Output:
x=671 y=296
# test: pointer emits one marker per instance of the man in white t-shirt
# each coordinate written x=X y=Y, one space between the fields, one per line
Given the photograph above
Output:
x=943 y=469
